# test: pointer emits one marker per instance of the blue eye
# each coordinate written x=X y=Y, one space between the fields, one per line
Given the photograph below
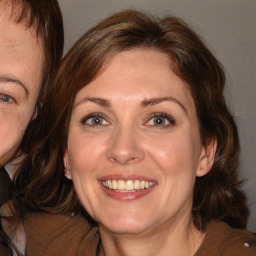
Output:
x=160 y=120
x=95 y=119
x=5 y=98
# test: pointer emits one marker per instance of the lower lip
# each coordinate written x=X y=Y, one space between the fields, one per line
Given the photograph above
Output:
x=127 y=196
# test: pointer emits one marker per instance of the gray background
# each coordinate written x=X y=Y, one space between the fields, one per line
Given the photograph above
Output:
x=229 y=29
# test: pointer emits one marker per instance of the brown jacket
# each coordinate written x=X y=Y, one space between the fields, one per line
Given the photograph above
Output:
x=54 y=235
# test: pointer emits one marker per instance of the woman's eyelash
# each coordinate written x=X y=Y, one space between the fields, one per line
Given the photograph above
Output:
x=6 y=98
x=160 y=120
x=94 y=119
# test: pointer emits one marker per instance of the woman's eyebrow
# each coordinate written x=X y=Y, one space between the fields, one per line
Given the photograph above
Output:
x=99 y=101
x=155 y=101
x=147 y=102
x=15 y=81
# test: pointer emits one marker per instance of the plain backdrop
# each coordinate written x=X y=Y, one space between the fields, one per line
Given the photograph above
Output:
x=229 y=29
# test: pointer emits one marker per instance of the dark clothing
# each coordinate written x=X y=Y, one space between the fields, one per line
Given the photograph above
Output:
x=5 y=250
x=5 y=186
x=54 y=235
x=5 y=195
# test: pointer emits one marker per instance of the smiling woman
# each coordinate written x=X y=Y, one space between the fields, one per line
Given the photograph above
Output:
x=140 y=137
x=138 y=121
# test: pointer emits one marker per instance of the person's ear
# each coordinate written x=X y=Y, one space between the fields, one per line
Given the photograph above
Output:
x=34 y=114
x=67 y=171
x=36 y=110
x=207 y=157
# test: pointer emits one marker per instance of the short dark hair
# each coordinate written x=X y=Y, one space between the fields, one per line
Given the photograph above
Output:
x=45 y=17
x=216 y=195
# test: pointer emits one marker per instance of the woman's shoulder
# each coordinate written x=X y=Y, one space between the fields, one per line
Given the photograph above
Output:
x=221 y=239
x=57 y=234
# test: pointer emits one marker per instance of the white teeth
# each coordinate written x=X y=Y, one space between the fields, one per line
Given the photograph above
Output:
x=137 y=184
x=129 y=185
x=114 y=184
x=121 y=185
x=109 y=184
x=151 y=184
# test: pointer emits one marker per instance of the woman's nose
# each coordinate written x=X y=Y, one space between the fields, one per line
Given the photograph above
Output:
x=125 y=147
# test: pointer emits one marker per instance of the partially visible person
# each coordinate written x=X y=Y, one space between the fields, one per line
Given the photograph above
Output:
x=31 y=47
x=139 y=152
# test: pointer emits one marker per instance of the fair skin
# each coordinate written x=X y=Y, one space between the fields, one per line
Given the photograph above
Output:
x=21 y=62
x=135 y=123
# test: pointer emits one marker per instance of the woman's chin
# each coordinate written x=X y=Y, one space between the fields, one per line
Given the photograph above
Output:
x=125 y=226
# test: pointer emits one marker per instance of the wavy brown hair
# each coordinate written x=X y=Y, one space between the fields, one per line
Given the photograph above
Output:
x=41 y=184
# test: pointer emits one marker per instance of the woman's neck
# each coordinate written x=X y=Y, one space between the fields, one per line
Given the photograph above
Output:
x=181 y=238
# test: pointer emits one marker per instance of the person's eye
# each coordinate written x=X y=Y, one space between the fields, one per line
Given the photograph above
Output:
x=159 y=120
x=5 y=98
x=95 y=119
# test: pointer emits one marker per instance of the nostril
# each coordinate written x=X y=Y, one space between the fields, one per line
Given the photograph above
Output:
x=124 y=158
x=124 y=147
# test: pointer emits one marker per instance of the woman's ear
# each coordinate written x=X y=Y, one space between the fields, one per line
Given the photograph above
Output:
x=207 y=157
x=66 y=165
x=35 y=113
x=36 y=110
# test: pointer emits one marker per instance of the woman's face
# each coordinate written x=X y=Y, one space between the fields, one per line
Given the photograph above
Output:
x=134 y=147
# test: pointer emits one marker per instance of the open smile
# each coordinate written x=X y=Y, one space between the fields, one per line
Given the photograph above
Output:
x=127 y=188
x=128 y=185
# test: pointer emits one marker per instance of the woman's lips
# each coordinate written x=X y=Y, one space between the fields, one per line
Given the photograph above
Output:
x=128 y=188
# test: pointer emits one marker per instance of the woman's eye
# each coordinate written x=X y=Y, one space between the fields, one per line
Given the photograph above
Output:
x=160 y=120
x=94 y=120
x=5 y=98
